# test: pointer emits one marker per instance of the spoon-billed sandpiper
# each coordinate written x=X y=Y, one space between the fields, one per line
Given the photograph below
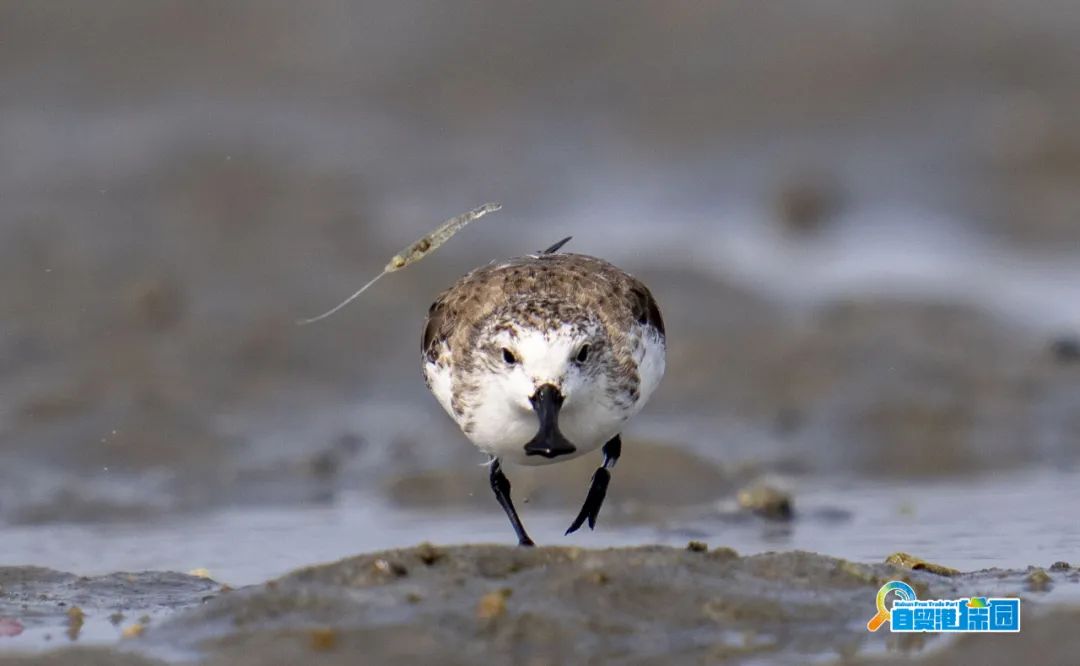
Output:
x=544 y=358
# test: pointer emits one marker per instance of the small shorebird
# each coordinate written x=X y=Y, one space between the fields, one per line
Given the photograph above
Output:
x=543 y=358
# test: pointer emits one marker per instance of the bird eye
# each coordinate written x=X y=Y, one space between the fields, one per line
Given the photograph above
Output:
x=583 y=354
x=509 y=357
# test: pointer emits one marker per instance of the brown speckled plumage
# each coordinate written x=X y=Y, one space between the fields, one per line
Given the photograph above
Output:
x=545 y=358
x=540 y=291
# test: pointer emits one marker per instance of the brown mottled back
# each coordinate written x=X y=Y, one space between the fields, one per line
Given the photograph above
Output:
x=543 y=290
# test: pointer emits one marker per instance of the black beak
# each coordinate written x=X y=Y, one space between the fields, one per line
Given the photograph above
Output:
x=549 y=442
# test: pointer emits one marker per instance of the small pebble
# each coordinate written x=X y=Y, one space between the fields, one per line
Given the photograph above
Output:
x=76 y=617
x=386 y=567
x=493 y=604
x=429 y=554
x=1039 y=581
x=766 y=501
x=697 y=546
x=133 y=630
x=908 y=561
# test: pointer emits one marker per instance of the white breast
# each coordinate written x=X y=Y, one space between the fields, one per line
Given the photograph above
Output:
x=501 y=427
x=651 y=361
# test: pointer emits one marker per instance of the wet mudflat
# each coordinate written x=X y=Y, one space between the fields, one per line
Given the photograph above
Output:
x=866 y=257
x=500 y=604
x=891 y=423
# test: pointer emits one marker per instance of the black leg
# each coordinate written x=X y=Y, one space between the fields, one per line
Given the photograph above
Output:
x=591 y=509
x=501 y=485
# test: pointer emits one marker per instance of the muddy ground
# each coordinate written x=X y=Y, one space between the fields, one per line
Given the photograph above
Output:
x=496 y=604
x=860 y=221
x=168 y=212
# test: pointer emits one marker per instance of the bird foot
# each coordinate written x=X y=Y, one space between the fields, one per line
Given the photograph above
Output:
x=593 y=501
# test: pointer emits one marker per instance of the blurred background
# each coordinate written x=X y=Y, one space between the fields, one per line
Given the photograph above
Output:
x=861 y=221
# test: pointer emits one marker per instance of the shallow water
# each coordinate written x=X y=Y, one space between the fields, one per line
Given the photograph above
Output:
x=946 y=522
x=158 y=244
x=943 y=521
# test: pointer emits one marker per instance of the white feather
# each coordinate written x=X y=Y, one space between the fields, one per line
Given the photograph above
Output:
x=439 y=380
x=651 y=363
x=499 y=418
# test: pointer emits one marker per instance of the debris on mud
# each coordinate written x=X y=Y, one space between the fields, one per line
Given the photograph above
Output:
x=498 y=604
x=908 y=561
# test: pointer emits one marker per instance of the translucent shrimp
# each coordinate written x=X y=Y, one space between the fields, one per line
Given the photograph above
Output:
x=415 y=252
